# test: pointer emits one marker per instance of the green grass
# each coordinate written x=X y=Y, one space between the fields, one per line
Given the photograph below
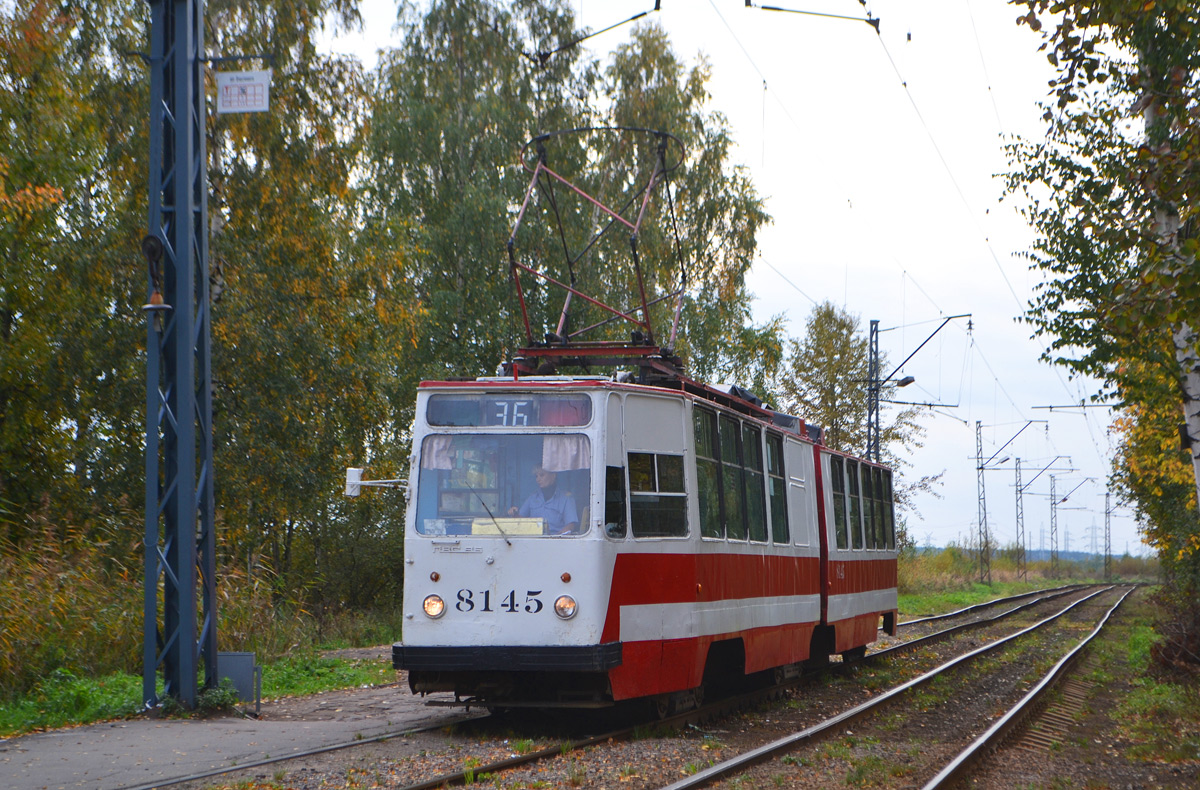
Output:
x=867 y=771
x=310 y=673
x=63 y=699
x=1164 y=721
x=1141 y=639
x=1159 y=715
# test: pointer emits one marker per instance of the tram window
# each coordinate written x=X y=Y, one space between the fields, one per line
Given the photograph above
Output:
x=732 y=483
x=641 y=472
x=838 y=480
x=868 y=501
x=852 y=491
x=777 y=489
x=756 y=506
x=475 y=484
x=708 y=473
x=614 y=502
x=657 y=500
x=877 y=494
x=670 y=473
x=889 y=514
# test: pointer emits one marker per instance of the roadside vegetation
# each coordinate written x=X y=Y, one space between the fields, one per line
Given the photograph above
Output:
x=939 y=580
x=1154 y=708
x=64 y=699
x=79 y=654
x=71 y=641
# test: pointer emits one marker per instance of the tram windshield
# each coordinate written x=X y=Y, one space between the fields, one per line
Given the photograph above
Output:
x=504 y=485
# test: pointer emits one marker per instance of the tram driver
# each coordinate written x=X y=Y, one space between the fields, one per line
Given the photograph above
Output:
x=548 y=502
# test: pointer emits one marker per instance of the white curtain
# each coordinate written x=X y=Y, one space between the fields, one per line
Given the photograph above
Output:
x=564 y=453
x=438 y=453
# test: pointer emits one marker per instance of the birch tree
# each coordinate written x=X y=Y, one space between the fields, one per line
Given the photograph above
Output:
x=1112 y=190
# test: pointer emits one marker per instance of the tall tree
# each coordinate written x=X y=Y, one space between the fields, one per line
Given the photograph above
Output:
x=70 y=177
x=824 y=381
x=310 y=322
x=1151 y=470
x=453 y=105
x=1112 y=193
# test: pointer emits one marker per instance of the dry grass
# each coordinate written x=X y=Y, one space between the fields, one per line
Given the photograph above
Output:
x=74 y=602
x=66 y=602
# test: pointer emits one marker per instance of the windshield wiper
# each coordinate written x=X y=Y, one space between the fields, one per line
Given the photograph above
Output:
x=499 y=528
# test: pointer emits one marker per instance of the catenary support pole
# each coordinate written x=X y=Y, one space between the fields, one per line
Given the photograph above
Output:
x=179 y=540
x=1021 y=566
x=985 y=560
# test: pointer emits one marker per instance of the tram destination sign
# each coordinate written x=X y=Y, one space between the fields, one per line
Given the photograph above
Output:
x=516 y=410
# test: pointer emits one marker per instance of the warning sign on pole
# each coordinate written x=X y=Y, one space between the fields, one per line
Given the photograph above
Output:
x=243 y=91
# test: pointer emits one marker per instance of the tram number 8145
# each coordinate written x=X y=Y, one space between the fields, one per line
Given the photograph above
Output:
x=467 y=601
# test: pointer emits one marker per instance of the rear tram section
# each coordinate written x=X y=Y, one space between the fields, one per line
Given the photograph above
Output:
x=580 y=541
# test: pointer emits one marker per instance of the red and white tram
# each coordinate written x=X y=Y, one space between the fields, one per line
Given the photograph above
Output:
x=578 y=541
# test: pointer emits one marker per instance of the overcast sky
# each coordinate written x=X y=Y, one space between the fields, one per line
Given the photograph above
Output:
x=878 y=157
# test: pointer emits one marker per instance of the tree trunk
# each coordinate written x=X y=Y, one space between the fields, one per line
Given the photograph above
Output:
x=1166 y=220
x=1189 y=368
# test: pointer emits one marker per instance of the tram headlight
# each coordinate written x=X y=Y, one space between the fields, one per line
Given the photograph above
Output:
x=565 y=607
x=434 y=606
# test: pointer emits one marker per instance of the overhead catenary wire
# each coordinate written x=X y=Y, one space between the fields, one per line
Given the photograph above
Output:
x=937 y=150
x=983 y=64
x=541 y=57
x=950 y=174
x=757 y=61
x=786 y=280
x=763 y=77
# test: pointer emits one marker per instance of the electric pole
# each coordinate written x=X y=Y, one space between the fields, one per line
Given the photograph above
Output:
x=1107 y=535
x=985 y=560
x=1021 y=566
x=1053 y=530
x=179 y=542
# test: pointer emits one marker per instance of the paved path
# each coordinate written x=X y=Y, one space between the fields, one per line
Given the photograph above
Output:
x=142 y=752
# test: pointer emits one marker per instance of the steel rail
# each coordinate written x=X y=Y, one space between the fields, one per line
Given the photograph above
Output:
x=985 y=604
x=787 y=743
x=946 y=633
x=958 y=768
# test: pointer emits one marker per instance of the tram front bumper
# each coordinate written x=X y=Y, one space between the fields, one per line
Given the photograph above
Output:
x=522 y=658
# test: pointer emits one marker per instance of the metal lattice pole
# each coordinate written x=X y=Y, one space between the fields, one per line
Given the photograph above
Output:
x=1107 y=535
x=179 y=540
x=873 y=386
x=1021 y=566
x=1053 y=530
x=985 y=560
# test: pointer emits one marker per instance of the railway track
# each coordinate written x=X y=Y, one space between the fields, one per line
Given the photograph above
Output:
x=475 y=768
x=955 y=769
x=959 y=768
x=979 y=607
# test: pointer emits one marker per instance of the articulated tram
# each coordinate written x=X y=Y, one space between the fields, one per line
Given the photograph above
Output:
x=578 y=541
